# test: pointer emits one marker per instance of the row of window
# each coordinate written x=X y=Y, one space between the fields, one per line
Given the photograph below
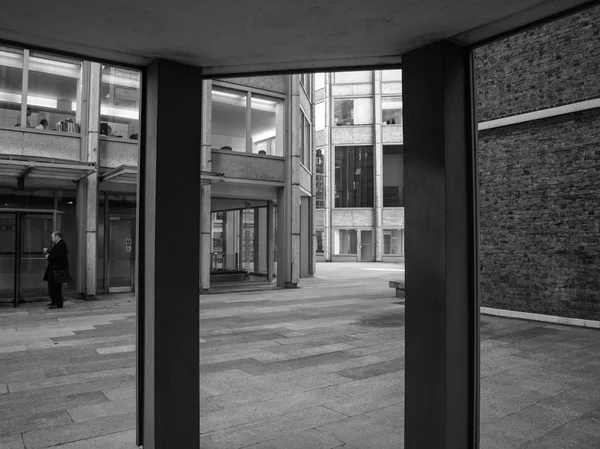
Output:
x=354 y=177
x=365 y=76
x=345 y=241
x=44 y=92
x=359 y=111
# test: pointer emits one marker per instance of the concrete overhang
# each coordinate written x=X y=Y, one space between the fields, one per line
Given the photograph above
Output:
x=21 y=169
x=124 y=174
x=235 y=37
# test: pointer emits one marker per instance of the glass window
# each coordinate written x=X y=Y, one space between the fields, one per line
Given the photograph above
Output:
x=11 y=80
x=354 y=177
x=344 y=241
x=353 y=111
x=228 y=127
x=353 y=77
x=319 y=180
x=120 y=100
x=306 y=79
x=54 y=93
x=266 y=119
x=319 y=233
x=319 y=81
x=391 y=75
x=320 y=116
x=393 y=241
x=393 y=176
x=305 y=156
x=391 y=110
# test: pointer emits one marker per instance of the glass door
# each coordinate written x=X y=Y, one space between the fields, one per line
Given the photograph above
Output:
x=366 y=245
x=120 y=251
x=8 y=248
x=36 y=233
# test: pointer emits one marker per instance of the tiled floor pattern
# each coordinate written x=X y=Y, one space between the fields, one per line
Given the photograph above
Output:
x=311 y=368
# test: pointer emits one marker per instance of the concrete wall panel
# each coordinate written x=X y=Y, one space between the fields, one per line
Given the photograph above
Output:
x=352 y=135
x=352 y=218
x=40 y=144
x=241 y=165
x=393 y=218
x=272 y=83
x=391 y=88
x=391 y=134
x=115 y=154
x=351 y=90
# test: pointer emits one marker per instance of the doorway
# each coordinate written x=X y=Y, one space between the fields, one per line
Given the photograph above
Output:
x=121 y=254
x=366 y=246
x=23 y=236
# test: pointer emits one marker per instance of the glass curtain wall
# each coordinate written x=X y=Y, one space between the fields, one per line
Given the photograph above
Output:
x=119 y=102
x=393 y=176
x=354 y=176
x=353 y=111
x=11 y=86
x=52 y=95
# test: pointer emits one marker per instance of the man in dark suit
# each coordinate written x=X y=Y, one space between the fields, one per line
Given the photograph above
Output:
x=57 y=259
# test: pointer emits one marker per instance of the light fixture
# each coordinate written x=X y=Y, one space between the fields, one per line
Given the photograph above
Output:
x=69 y=202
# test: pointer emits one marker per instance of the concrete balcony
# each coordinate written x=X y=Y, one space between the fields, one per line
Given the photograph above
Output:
x=116 y=152
x=40 y=143
x=253 y=168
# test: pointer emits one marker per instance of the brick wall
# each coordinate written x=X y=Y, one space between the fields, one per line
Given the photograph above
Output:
x=551 y=65
x=540 y=216
x=540 y=180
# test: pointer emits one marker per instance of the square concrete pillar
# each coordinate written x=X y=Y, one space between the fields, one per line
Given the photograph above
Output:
x=169 y=239
x=442 y=301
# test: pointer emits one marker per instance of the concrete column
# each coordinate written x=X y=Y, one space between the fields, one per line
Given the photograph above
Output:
x=168 y=347
x=295 y=153
x=270 y=240
x=378 y=162
x=282 y=262
x=206 y=165
x=92 y=185
x=442 y=301
x=329 y=159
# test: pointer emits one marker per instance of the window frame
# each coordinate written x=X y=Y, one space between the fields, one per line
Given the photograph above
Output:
x=346 y=98
x=248 y=91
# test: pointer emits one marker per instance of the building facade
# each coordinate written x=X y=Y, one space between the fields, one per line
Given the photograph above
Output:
x=359 y=166
x=69 y=133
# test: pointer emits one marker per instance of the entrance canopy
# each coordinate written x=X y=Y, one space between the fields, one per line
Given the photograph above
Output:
x=241 y=36
x=123 y=174
x=21 y=169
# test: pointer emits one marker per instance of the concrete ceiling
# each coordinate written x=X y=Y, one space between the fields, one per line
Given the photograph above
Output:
x=243 y=36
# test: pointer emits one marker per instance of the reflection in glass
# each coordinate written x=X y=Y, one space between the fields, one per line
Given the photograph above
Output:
x=228 y=128
x=54 y=93
x=353 y=77
x=354 y=177
x=11 y=78
x=120 y=99
x=266 y=123
x=391 y=75
x=319 y=179
x=393 y=176
x=344 y=241
x=319 y=233
x=320 y=116
x=305 y=156
x=393 y=241
x=353 y=111
x=391 y=110
x=319 y=81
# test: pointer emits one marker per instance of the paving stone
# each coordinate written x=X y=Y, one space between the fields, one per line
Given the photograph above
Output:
x=116 y=394
x=270 y=429
x=90 y=412
x=70 y=379
x=78 y=431
x=312 y=439
x=32 y=406
x=11 y=442
x=120 y=440
x=23 y=423
x=374 y=369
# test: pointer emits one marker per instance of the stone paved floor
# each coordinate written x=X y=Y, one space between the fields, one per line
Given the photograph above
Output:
x=317 y=367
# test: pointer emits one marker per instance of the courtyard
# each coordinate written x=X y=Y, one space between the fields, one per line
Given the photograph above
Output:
x=316 y=367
